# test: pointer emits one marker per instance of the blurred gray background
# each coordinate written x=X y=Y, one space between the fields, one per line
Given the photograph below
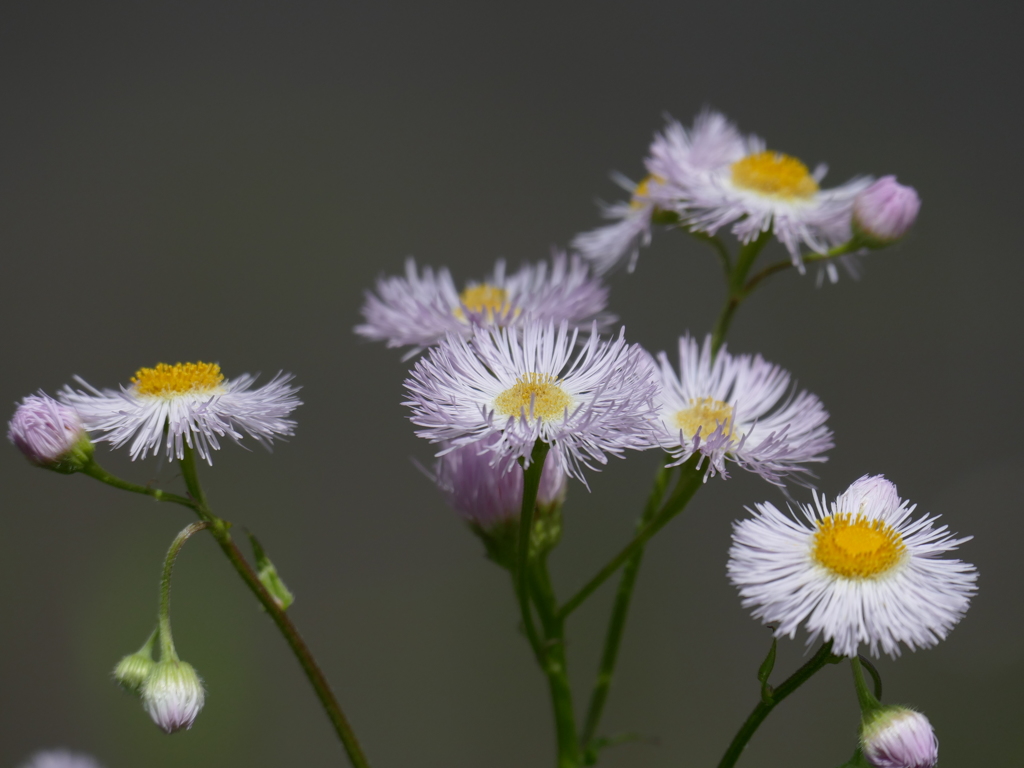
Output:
x=222 y=181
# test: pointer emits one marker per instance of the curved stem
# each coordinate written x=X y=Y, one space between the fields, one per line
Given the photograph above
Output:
x=220 y=531
x=167 y=652
x=867 y=701
x=620 y=611
x=718 y=245
x=875 y=677
x=690 y=480
x=94 y=470
x=764 y=707
x=810 y=258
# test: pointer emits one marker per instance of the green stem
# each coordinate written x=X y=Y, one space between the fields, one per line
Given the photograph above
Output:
x=94 y=470
x=689 y=481
x=620 y=611
x=531 y=484
x=867 y=701
x=875 y=677
x=748 y=254
x=220 y=531
x=555 y=665
x=810 y=258
x=718 y=245
x=763 y=709
x=167 y=652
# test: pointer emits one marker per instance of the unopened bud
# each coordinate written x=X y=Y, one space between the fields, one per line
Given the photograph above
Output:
x=897 y=737
x=173 y=695
x=50 y=434
x=884 y=212
x=133 y=671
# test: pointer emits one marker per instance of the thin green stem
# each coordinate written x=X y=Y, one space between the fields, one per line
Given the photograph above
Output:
x=875 y=677
x=220 y=530
x=555 y=665
x=763 y=709
x=167 y=652
x=620 y=611
x=531 y=484
x=810 y=258
x=94 y=470
x=865 y=698
x=748 y=254
x=716 y=243
x=689 y=481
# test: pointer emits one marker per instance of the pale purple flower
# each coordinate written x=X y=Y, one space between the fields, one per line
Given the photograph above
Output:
x=740 y=409
x=173 y=695
x=884 y=212
x=514 y=388
x=619 y=243
x=186 y=404
x=59 y=758
x=713 y=176
x=419 y=309
x=897 y=737
x=45 y=431
x=487 y=496
x=857 y=572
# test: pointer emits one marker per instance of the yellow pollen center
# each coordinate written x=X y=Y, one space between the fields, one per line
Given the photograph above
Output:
x=643 y=189
x=484 y=298
x=774 y=174
x=542 y=389
x=705 y=413
x=169 y=380
x=856 y=547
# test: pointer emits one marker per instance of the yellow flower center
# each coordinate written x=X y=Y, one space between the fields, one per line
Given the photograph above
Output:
x=542 y=390
x=169 y=380
x=643 y=189
x=856 y=547
x=774 y=174
x=706 y=414
x=484 y=298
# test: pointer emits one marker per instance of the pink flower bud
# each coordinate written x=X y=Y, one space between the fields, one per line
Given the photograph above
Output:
x=486 y=496
x=897 y=737
x=50 y=434
x=58 y=758
x=884 y=212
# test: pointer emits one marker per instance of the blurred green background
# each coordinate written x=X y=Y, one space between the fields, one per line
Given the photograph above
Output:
x=221 y=181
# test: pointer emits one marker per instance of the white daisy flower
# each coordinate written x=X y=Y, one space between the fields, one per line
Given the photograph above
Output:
x=714 y=176
x=418 y=310
x=739 y=409
x=185 y=404
x=858 y=572
x=535 y=385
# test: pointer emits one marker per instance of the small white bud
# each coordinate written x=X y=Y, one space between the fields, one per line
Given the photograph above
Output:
x=897 y=737
x=50 y=434
x=884 y=212
x=173 y=695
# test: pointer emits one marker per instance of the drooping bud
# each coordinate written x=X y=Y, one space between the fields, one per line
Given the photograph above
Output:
x=491 y=500
x=50 y=434
x=884 y=212
x=897 y=737
x=173 y=695
x=132 y=671
x=59 y=758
